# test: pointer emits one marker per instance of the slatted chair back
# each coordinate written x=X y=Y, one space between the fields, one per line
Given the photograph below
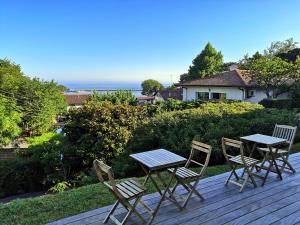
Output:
x=199 y=147
x=234 y=145
x=103 y=170
x=285 y=132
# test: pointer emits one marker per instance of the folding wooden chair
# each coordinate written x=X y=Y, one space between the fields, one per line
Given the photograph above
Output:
x=185 y=176
x=123 y=192
x=285 y=132
x=236 y=161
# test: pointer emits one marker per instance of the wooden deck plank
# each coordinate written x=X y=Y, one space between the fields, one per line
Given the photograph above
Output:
x=222 y=204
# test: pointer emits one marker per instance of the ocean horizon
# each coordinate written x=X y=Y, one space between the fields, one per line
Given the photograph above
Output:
x=81 y=87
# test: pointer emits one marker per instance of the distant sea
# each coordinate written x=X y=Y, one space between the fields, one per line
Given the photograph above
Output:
x=87 y=87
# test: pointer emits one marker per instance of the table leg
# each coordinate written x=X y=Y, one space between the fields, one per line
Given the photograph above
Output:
x=272 y=163
x=164 y=194
x=273 y=156
x=151 y=178
x=171 y=197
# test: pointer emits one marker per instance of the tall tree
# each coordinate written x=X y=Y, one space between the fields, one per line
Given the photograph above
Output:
x=291 y=55
x=278 y=47
x=208 y=62
x=150 y=87
x=273 y=74
x=39 y=101
x=10 y=118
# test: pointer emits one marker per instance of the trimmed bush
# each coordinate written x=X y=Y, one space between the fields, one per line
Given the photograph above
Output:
x=209 y=123
x=277 y=103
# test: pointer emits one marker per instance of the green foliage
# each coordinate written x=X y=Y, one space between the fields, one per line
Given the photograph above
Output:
x=20 y=176
x=290 y=56
x=39 y=101
x=295 y=94
x=38 y=140
x=60 y=187
x=209 y=123
x=271 y=74
x=116 y=97
x=279 y=47
x=150 y=87
x=101 y=129
x=10 y=119
x=277 y=103
x=207 y=63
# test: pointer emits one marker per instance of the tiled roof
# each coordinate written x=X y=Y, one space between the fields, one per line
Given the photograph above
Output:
x=76 y=99
x=233 y=78
x=175 y=94
x=145 y=98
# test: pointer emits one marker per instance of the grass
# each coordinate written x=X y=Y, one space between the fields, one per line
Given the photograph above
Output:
x=44 y=209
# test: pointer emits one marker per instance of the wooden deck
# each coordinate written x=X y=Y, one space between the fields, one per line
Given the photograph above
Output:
x=278 y=202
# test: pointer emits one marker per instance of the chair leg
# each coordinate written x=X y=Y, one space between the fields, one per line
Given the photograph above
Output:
x=232 y=173
x=192 y=190
x=133 y=210
x=286 y=163
x=111 y=211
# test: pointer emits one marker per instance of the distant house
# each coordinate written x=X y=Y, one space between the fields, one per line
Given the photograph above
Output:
x=174 y=94
x=234 y=85
x=145 y=99
x=76 y=100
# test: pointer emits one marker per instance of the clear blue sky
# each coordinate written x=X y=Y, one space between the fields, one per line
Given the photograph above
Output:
x=132 y=40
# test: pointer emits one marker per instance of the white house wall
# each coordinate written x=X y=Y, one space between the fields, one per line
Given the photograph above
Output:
x=234 y=93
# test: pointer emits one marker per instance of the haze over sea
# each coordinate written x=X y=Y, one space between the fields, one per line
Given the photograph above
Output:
x=82 y=87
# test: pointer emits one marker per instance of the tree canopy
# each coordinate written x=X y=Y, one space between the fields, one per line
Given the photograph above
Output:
x=272 y=74
x=208 y=62
x=150 y=87
x=10 y=118
x=39 y=101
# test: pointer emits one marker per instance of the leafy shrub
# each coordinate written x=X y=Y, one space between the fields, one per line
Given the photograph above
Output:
x=115 y=97
x=101 y=129
x=60 y=187
x=19 y=176
x=38 y=140
x=10 y=118
x=277 y=103
x=209 y=123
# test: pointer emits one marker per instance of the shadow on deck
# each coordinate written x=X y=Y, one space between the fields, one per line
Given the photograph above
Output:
x=278 y=202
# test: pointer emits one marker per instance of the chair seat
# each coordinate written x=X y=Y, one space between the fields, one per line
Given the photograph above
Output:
x=184 y=173
x=280 y=151
x=130 y=189
x=248 y=160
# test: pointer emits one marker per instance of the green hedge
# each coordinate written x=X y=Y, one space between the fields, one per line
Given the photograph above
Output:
x=277 y=103
x=209 y=123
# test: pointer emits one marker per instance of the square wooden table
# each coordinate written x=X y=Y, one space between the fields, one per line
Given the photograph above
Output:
x=269 y=141
x=153 y=162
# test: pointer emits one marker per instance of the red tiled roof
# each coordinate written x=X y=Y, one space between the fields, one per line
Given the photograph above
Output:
x=175 y=94
x=145 y=98
x=76 y=99
x=233 y=78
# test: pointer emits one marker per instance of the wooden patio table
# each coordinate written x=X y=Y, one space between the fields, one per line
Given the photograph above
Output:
x=153 y=162
x=269 y=141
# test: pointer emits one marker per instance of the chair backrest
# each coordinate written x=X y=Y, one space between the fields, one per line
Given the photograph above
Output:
x=102 y=169
x=234 y=145
x=198 y=147
x=285 y=132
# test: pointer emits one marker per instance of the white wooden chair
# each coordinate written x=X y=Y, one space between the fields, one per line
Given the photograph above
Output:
x=235 y=161
x=185 y=176
x=124 y=192
x=285 y=132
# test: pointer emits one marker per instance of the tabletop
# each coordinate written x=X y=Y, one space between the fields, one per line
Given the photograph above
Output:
x=264 y=139
x=158 y=159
